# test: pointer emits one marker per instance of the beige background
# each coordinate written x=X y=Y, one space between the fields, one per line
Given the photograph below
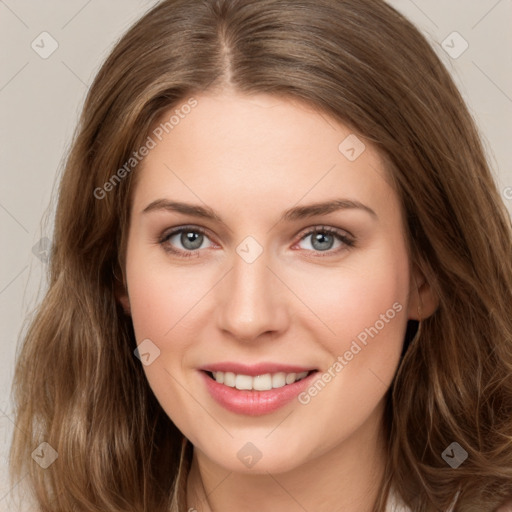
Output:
x=41 y=98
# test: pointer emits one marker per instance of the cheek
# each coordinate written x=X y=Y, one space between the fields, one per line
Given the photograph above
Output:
x=368 y=315
x=161 y=302
x=353 y=297
x=160 y=297
x=150 y=304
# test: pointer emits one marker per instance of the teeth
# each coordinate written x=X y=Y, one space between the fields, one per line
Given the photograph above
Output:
x=290 y=378
x=258 y=383
x=243 y=382
x=229 y=379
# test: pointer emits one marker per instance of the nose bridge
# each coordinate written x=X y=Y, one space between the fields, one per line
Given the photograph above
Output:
x=251 y=303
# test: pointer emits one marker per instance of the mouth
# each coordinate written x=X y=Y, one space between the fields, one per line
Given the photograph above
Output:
x=255 y=393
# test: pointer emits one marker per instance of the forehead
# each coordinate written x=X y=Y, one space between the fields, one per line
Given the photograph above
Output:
x=256 y=151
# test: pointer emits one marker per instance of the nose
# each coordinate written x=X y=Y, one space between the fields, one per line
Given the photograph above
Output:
x=251 y=301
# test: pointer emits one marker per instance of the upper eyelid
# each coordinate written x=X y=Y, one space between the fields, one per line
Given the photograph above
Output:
x=330 y=229
x=167 y=233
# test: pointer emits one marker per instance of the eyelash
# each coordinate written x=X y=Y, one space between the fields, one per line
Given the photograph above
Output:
x=348 y=241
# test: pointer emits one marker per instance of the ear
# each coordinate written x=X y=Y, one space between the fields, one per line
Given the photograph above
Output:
x=423 y=302
x=121 y=294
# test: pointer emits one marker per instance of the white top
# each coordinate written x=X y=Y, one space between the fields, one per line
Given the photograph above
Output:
x=395 y=504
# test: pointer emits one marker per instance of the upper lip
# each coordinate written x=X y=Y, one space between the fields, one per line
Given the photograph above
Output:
x=255 y=369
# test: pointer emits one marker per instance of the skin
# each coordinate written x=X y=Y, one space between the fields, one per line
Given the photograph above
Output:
x=250 y=158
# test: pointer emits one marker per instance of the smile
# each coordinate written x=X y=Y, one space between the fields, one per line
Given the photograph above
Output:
x=255 y=390
x=259 y=382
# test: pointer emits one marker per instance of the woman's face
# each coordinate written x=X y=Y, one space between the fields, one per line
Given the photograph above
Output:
x=250 y=290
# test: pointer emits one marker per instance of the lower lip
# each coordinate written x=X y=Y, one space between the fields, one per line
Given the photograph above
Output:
x=255 y=403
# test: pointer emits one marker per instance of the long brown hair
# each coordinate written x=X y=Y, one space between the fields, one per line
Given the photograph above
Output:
x=77 y=384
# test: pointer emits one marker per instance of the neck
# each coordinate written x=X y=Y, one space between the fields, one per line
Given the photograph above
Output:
x=345 y=477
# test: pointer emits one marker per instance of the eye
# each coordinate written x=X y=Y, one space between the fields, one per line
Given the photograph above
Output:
x=191 y=238
x=323 y=239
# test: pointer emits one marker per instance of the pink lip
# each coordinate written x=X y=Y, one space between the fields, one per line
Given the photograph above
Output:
x=255 y=403
x=256 y=369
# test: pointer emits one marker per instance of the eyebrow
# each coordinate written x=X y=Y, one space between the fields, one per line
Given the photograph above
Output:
x=292 y=214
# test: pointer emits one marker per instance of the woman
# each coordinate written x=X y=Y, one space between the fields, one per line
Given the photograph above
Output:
x=281 y=276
